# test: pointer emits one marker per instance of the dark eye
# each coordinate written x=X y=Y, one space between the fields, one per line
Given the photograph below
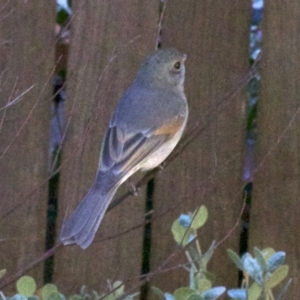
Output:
x=177 y=65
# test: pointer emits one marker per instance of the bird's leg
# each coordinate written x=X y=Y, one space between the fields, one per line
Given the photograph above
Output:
x=132 y=188
x=162 y=166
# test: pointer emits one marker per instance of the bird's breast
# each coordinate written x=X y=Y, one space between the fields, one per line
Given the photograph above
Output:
x=163 y=151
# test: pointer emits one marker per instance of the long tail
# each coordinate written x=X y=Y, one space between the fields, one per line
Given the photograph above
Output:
x=82 y=225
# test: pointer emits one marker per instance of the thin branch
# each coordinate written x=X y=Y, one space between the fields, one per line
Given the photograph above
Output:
x=29 y=115
x=159 y=29
x=278 y=140
x=234 y=227
x=10 y=279
x=17 y=99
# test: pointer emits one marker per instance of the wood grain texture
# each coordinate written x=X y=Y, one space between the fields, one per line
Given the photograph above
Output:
x=274 y=220
x=109 y=41
x=215 y=35
x=26 y=64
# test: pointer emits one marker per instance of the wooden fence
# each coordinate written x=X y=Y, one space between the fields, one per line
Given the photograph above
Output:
x=108 y=42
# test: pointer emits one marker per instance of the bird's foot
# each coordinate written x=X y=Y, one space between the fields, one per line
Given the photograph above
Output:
x=162 y=166
x=132 y=188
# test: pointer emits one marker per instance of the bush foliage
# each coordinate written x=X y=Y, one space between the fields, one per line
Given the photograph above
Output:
x=262 y=273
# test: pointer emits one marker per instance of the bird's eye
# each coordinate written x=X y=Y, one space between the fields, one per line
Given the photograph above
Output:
x=177 y=65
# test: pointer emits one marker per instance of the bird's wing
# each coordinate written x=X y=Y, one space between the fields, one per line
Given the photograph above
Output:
x=123 y=151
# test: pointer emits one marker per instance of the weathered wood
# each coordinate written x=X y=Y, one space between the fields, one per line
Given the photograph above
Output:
x=26 y=64
x=109 y=41
x=274 y=220
x=215 y=35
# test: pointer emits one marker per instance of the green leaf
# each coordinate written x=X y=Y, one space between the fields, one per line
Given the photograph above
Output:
x=181 y=234
x=199 y=217
x=239 y=294
x=183 y=293
x=33 y=298
x=213 y=293
x=47 y=290
x=158 y=292
x=2 y=272
x=235 y=258
x=254 y=291
x=96 y=296
x=194 y=297
x=210 y=276
x=275 y=261
x=204 y=285
x=26 y=286
x=253 y=268
x=109 y=296
x=83 y=290
x=75 y=297
x=208 y=254
x=195 y=255
x=131 y=297
x=18 y=297
x=260 y=259
x=169 y=296
x=268 y=252
x=277 y=276
x=119 y=286
x=54 y=296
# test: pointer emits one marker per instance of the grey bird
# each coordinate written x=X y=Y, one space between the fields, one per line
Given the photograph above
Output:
x=144 y=129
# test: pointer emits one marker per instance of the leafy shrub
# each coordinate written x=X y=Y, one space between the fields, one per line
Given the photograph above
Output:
x=184 y=231
x=262 y=272
x=27 y=290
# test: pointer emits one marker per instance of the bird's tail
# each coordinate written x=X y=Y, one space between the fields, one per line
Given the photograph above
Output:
x=82 y=225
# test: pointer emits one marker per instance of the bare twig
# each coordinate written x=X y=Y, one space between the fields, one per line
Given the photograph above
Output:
x=8 y=280
x=16 y=100
x=234 y=227
x=29 y=114
x=164 y=4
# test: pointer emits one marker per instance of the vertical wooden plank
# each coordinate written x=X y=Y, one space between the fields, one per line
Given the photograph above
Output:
x=215 y=35
x=109 y=41
x=274 y=220
x=26 y=62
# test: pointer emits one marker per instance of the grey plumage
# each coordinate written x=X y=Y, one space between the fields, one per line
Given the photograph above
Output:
x=144 y=129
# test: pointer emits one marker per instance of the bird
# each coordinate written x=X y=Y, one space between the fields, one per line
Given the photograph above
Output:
x=145 y=127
